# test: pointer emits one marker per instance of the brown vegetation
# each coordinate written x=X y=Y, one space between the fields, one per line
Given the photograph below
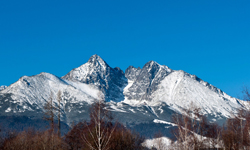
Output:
x=34 y=140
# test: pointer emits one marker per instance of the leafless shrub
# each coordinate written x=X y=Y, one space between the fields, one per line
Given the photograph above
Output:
x=193 y=130
x=125 y=139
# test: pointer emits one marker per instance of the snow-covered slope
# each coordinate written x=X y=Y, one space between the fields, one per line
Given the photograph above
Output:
x=36 y=90
x=180 y=89
x=138 y=97
x=28 y=95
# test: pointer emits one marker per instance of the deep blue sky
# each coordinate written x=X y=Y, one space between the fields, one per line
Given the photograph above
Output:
x=208 y=38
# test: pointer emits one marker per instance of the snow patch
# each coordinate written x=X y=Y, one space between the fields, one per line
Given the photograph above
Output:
x=158 y=143
x=86 y=88
x=114 y=108
x=164 y=122
x=8 y=109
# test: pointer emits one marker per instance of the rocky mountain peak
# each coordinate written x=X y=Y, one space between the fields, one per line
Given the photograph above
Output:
x=98 y=73
x=95 y=66
x=151 y=64
x=96 y=60
x=145 y=80
x=131 y=72
x=151 y=67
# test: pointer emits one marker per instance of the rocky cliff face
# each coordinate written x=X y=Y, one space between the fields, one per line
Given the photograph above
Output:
x=131 y=73
x=145 y=80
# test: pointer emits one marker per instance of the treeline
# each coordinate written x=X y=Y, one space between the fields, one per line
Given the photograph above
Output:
x=100 y=133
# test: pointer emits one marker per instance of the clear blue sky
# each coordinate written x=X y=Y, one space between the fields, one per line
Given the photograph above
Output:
x=208 y=38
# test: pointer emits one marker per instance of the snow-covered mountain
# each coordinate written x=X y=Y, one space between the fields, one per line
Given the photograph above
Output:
x=97 y=72
x=155 y=84
x=138 y=97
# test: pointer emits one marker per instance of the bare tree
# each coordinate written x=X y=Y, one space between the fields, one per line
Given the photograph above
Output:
x=214 y=136
x=100 y=130
x=192 y=127
x=52 y=109
x=246 y=94
x=236 y=133
x=49 y=111
x=59 y=98
x=182 y=132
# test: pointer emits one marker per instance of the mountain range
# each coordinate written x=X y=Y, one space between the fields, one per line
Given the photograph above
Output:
x=143 y=99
